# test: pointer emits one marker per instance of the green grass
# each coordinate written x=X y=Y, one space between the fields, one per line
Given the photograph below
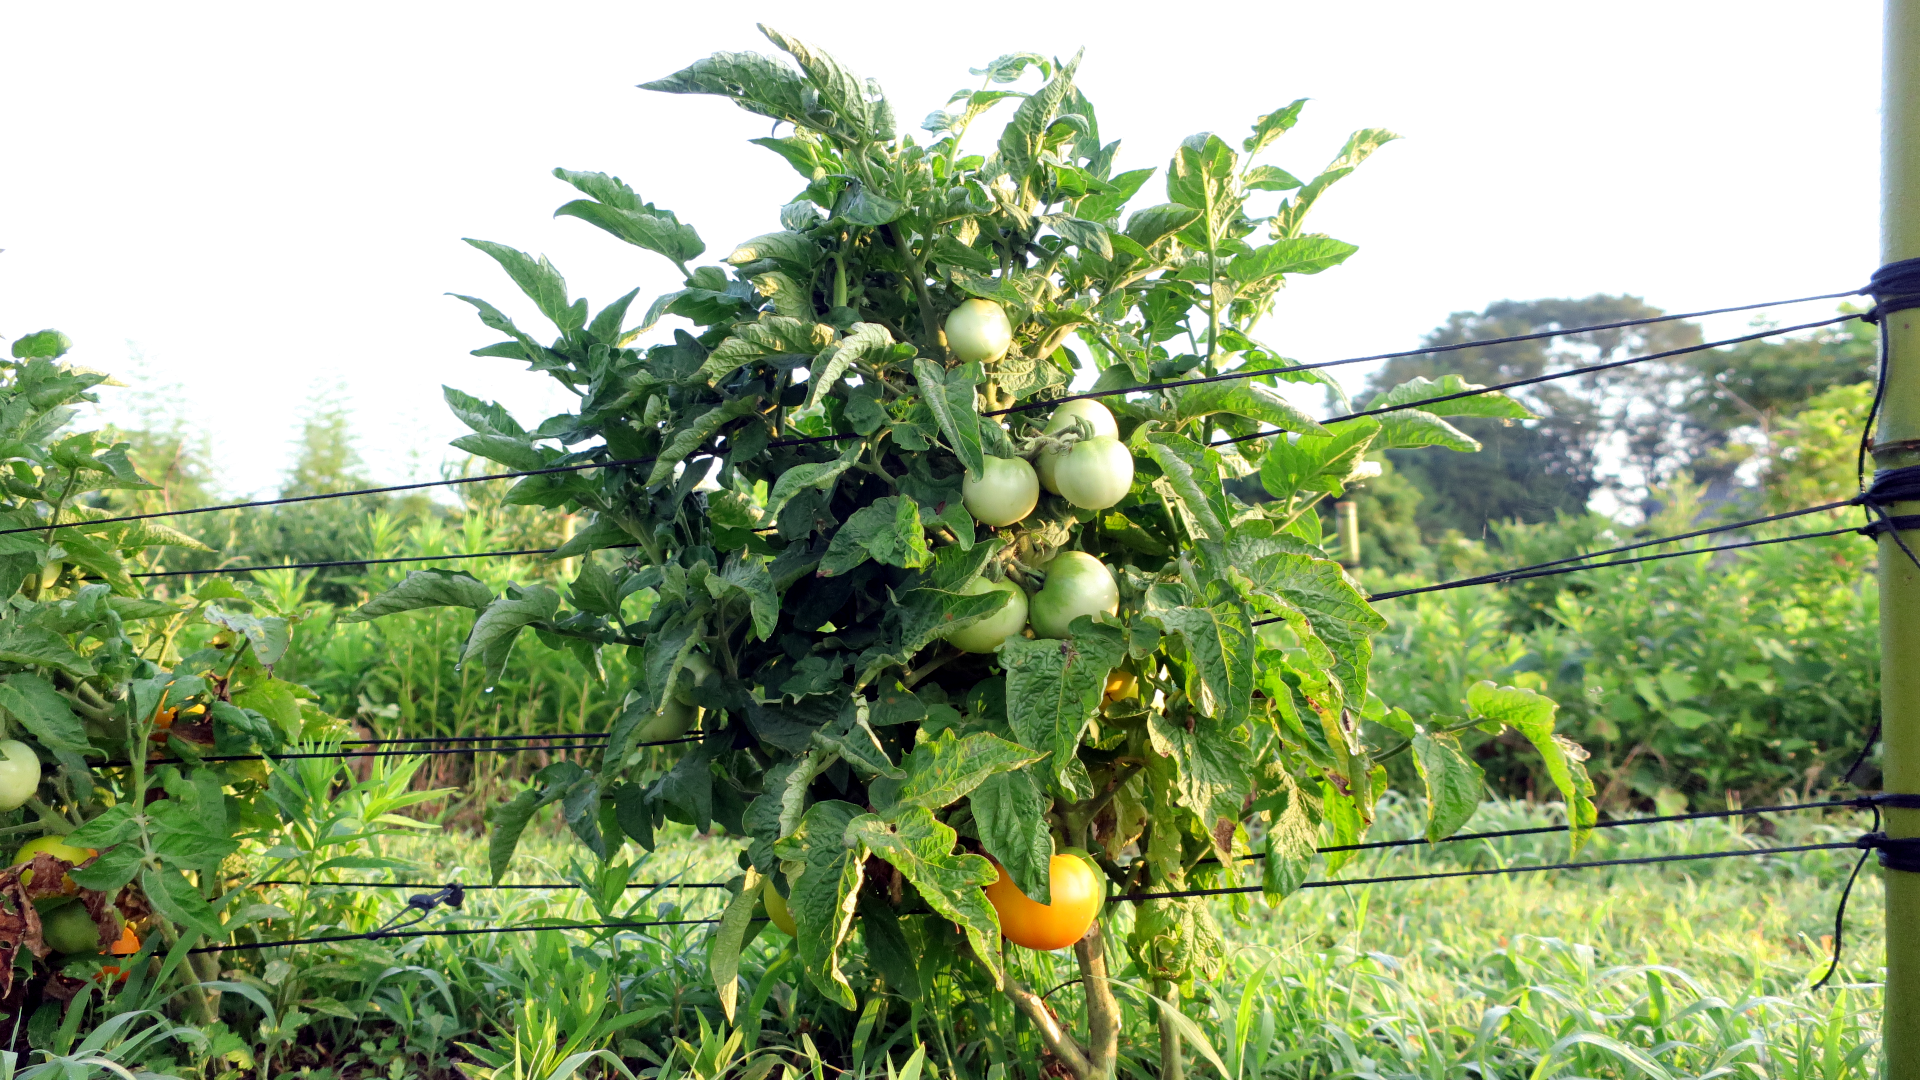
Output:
x=1622 y=972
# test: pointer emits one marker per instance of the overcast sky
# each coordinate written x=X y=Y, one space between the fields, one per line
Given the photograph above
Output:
x=265 y=201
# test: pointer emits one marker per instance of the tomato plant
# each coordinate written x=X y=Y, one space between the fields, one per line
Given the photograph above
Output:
x=784 y=489
x=97 y=679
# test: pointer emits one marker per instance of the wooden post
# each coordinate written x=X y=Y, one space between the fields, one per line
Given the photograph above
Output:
x=1346 y=518
x=1897 y=444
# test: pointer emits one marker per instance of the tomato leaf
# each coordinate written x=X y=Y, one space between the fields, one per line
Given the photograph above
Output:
x=824 y=874
x=1054 y=686
x=491 y=638
x=888 y=530
x=1193 y=472
x=863 y=340
x=949 y=393
x=1221 y=646
x=1213 y=778
x=540 y=281
x=172 y=895
x=1455 y=784
x=723 y=949
x=1532 y=715
x=424 y=589
x=38 y=707
x=1010 y=811
x=943 y=770
x=920 y=847
x=1251 y=400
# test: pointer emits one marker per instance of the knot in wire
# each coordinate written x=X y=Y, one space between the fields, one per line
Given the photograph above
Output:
x=1892 y=486
x=419 y=906
x=1894 y=287
x=1896 y=853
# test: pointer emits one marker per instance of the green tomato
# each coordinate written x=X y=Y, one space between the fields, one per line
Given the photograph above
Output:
x=1006 y=491
x=673 y=721
x=70 y=929
x=1097 y=416
x=987 y=634
x=19 y=774
x=695 y=673
x=1077 y=584
x=979 y=330
x=777 y=911
x=1095 y=474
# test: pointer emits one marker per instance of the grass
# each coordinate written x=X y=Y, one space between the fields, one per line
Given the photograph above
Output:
x=1688 y=970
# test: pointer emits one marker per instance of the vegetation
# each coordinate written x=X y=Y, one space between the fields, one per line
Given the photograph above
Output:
x=842 y=399
x=893 y=652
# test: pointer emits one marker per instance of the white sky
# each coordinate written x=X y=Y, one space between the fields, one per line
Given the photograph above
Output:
x=265 y=200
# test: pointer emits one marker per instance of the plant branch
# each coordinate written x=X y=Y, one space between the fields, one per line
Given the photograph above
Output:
x=1405 y=744
x=929 y=668
x=1058 y=1041
x=916 y=272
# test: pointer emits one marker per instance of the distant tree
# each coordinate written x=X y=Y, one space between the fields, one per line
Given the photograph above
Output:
x=1731 y=403
x=1532 y=470
x=325 y=458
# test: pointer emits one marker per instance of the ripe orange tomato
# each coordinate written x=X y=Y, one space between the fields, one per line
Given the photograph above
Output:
x=1078 y=891
x=128 y=945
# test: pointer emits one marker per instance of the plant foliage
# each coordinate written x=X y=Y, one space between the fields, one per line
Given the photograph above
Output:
x=122 y=732
x=789 y=543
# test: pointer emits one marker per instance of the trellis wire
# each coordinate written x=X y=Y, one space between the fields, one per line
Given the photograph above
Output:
x=815 y=439
x=377 y=935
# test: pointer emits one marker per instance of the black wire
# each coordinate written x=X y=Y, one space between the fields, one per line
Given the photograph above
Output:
x=1344 y=882
x=258 y=503
x=1480 y=343
x=476 y=888
x=1866 y=751
x=814 y=439
x=248 y=946
x=1133 y=897
x=474 y=738
x=352 y=562
x=1548 y=377
x=1861 y=803
x=1840 y=910
x=356 y=754
x=1873 y=411
x=1526 y=572
x=1637 y=545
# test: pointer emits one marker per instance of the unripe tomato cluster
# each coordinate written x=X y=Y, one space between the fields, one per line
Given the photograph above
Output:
x=66 y=925
x=1093 y=474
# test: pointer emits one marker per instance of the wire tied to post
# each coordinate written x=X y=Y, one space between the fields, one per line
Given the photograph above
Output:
x=1895 y=854
x=1890 y=486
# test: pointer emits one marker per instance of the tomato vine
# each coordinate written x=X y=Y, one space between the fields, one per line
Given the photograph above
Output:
x=927 y=643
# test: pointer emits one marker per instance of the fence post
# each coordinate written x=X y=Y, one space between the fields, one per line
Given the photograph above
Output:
x=1897 y=444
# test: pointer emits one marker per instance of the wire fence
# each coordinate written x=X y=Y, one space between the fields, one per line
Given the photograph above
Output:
x=1888 y=487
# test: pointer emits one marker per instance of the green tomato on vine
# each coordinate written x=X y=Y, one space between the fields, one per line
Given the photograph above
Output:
x=1006 y=493
x=1098 y=417
x=987 y=634
x=1077 y=584
x=978 y=330
x=1095 y=474
x=19 y=774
